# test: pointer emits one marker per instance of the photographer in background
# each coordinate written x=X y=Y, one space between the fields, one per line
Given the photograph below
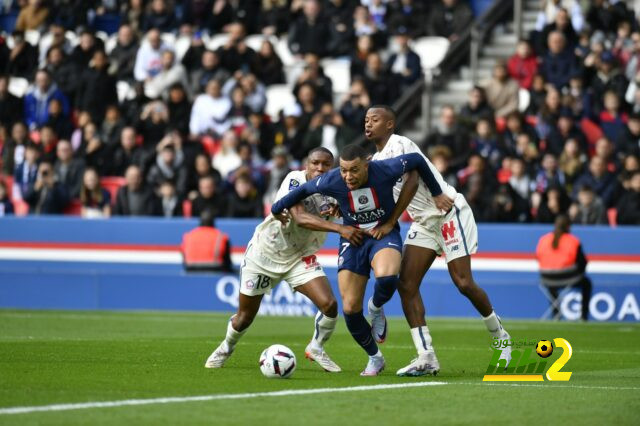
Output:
x=47 y=195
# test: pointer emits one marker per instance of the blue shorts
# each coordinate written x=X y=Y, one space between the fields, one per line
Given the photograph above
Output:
x=358 y=259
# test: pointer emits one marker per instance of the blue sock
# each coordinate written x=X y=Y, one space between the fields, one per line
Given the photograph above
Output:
x=361 y=332
x=384 y=289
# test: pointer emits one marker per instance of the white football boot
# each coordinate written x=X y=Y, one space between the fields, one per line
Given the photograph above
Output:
x=425 y=364
x=378 y=323
x=321 y=357
x=506 y=351
x=218 y=357
x=374 y=367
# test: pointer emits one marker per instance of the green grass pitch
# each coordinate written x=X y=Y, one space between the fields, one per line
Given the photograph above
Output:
x=51 y=357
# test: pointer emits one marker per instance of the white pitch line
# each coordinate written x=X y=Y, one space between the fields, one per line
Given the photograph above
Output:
x=178 y=399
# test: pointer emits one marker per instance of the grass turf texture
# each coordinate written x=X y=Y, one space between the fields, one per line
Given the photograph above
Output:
x=50 y=357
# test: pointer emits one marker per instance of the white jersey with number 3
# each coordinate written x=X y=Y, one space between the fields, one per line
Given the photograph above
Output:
x=277 y=247
x=422 y=207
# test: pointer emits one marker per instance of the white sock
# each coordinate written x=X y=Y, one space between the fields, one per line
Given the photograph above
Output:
x=492 y=322
x=324 y=327
x=232 y=337
x=373 y=307
x=377 y=355
x=421 y=339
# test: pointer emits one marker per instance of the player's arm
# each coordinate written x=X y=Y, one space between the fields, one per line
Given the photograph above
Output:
x=315 y=223
x=294 y=197
x=415 y=161
x=407 y=193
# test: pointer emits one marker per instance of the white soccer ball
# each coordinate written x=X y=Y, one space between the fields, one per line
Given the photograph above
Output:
x=277 y=362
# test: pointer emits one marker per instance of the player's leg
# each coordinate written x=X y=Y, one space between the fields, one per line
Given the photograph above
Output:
x=352 y=286
x=416 y=261
x=237 y=325
x=319 y=292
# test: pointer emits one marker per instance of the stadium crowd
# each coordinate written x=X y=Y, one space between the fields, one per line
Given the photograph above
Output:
x=133 y=107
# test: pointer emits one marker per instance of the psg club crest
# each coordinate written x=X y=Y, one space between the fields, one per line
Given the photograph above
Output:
x=363 y=199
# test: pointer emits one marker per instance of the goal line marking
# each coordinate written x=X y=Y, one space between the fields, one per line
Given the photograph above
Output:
x=214 y=397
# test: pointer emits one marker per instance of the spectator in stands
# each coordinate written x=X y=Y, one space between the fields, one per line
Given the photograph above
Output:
x=339 y=14
x=608 y=78
x=559 y=63
x=549 y=113
x=364 y=46
x=23 y=59
x=122 y=58
x=46 y=195
x=226 y=12
x=578 y=99
x=135 y=199
x=254 y=91
x=227 y=159
x=83 y=53
x=245 y=201
x=475 y=109
x=355 y=105
x=449 y=19
x=6 y=207
x=378 y=12
x=313 y=74
x=148 y=58
x=507 y=206
x=169 y=164
x=564 y=129
x=310 y=32
x=268 y=65
x=170 y=73
x=209 y=111
x=551 y=9
x=523 y=65
x=598 y=179
x=520 y=181
x=63 y=72
x=408 y=15
x=68 y=170
x=236 y=55
x=55 y=38
x=604 y=15
x=33 y=15
x=209 y=198
x=36 y=102
x=11 y=107
x=537 y=94
x=327 y=129
x=92 y=149
x=206 y=248
x=153 y=124
x=170 y=200
x=628 y=206
x=363 y=24
x=571 y=161
x=179 y=109
x=628 y=140
x=440 y=158
x=111 y=127
x=548 y=174
x=60 y=124
x=96 y=201
x=404 y=64
x=96 y=88
x=209 y=68
x=451 y=134
x=201 y=167
x=259 y=133
x=381 y=84
x=588 y=208
x=563 y=264
x=309 y=104
x=478 y=184
x=606 y=151
x=561 y=24
x=159 y=15
x=48 y=141
x=13 y=149
x=502 y=92
x=554 y=202
x=127 y=153
x=274 y=17
x=132 y=13
x=486 y=142
x=612 y=120
x=288 y=131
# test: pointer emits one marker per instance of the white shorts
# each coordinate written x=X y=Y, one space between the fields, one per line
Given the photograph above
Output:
x=455 y=234
x=256 y=278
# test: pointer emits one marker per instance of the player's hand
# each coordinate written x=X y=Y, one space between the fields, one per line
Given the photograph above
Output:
x=351 y=234
x=381 y=230
x=283 y=217
x=443 y=202
x=333 y=211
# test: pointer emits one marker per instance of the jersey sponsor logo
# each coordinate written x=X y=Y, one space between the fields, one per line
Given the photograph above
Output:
x=448 y=230
x=311 y=262
x=293 y=183
x=367 y=217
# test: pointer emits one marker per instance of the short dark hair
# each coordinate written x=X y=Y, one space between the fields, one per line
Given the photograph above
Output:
x=386 y=108
x=353 y=151
x=320 y=149
x=206 y=218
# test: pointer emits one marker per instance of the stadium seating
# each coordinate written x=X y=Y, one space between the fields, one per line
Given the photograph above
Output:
x=109 y=23
x=18 y=86
x=278 y=96
x=112 y=184
x=431 y=51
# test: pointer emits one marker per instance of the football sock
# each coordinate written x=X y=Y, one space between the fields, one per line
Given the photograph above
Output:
x=232 y=337
x=324 y=327
x=421 y=339
x=361 y=332
x=384 y=289
x=493 y=325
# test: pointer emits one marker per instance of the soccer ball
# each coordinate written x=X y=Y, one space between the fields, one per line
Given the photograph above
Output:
x=544 y=348
x=277 y=362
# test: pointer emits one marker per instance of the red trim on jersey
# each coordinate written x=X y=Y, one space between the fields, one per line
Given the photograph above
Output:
x=375 y=197
x=350 y=197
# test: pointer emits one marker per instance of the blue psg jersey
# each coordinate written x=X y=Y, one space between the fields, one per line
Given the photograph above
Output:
x=372 y=203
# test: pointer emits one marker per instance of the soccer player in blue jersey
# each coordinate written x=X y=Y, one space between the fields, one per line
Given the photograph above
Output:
x=364 y=192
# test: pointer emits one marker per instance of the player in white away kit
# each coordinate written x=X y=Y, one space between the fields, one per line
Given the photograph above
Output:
x=287 y=252
x=432 y=233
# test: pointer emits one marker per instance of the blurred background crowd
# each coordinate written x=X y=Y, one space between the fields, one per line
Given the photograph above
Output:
x=169 y=108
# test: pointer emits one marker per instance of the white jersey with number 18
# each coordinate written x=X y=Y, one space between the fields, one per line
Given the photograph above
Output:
x=422 y=207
